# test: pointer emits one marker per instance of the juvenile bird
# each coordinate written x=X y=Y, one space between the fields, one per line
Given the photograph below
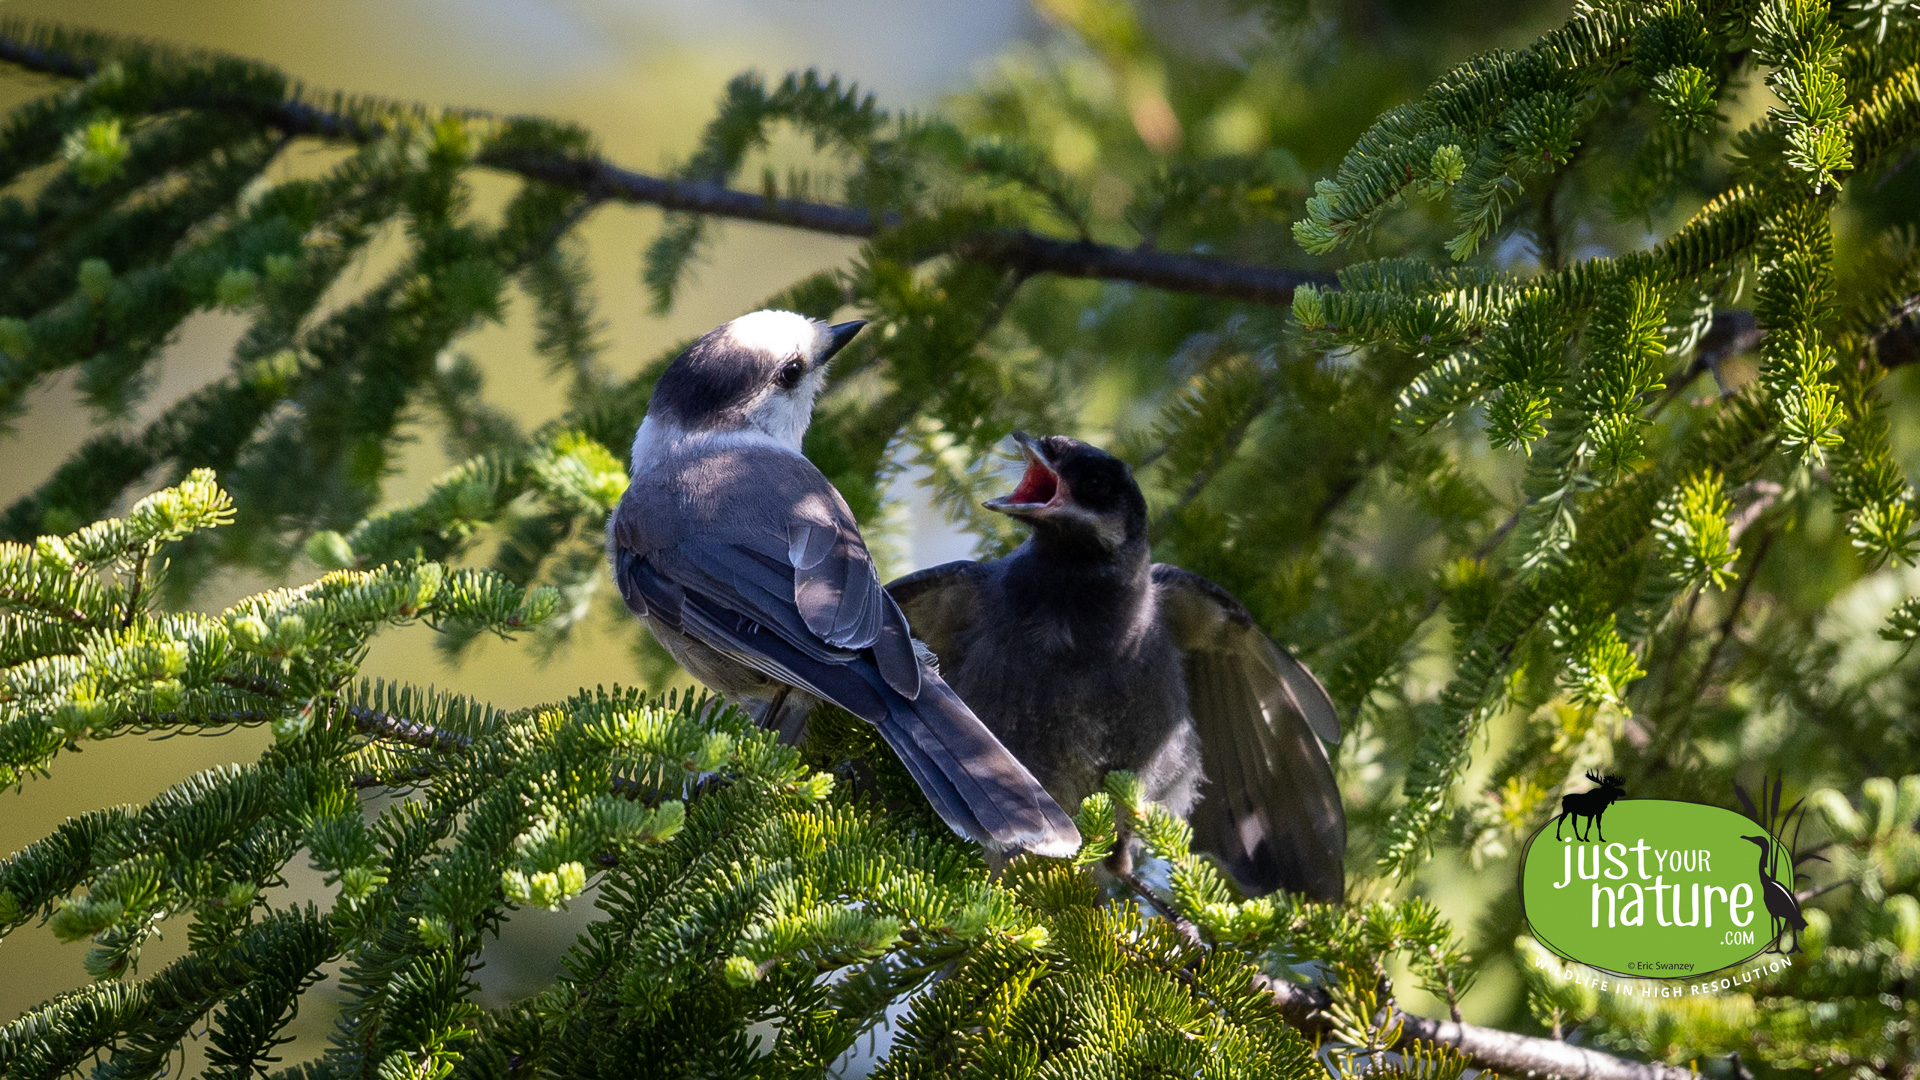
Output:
x=1085 y=656
x=747 y=565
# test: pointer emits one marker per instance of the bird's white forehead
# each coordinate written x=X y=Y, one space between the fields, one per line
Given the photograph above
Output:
x=775 y=333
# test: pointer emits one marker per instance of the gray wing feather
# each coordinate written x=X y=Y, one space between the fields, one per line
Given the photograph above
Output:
x=783 y=552
x=1271 y=808
x=1209 y=613
x=808 y=544
x=739 y=580
x=643 y=591
x=893 y=652
x=972 y=781
x=1308 y=695
x=837 y=593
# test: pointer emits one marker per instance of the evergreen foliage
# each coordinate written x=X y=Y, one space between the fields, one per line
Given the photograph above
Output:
x=1586 y=448
x=739 y=883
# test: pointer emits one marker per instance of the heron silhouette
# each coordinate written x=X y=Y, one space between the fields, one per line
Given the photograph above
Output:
x=1781 y=905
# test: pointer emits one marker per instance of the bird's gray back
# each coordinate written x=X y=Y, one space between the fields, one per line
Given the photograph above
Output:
x=759 y=533
x=724 y=492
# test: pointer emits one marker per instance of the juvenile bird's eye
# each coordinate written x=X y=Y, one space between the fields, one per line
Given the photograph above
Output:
x=791 y=373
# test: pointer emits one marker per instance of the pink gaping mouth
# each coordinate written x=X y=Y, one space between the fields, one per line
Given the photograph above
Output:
x=1041 y=489
x=1038 y=485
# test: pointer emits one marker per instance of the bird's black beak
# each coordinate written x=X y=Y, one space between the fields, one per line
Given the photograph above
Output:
x=1040 y=491
x=837 y=337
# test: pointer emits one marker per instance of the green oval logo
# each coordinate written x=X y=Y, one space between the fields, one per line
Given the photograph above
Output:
x=1655 y=889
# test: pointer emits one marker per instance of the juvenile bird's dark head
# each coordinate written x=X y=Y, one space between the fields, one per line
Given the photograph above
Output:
x=1077 y=496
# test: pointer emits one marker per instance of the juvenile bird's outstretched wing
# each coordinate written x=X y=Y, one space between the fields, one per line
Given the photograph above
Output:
x=941 y=604
x=1270 y=810
x=775 y=576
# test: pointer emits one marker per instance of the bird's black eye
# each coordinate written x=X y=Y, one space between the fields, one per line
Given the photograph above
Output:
x=791 y=373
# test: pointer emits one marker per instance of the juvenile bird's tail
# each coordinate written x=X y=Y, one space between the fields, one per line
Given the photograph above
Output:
x=973 y=782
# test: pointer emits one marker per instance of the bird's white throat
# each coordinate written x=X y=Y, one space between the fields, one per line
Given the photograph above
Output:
x=778 y=422
x=784 y=415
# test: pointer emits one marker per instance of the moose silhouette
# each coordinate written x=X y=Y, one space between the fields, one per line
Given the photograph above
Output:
x=1590 y=805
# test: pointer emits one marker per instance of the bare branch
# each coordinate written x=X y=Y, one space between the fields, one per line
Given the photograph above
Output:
x=1897 y=342
x=1022 y=252
x=1488 y=1048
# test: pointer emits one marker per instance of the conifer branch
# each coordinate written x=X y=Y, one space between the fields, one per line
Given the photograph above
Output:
x=381 y=725
x=1306 y=1008
x=46 y=61
x=1024 y=253
x=384 y=725
x=41 y=605
x=1491 y=1049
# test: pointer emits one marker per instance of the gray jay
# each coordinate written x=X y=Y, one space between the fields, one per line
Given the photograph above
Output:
x=1085 y=656
x=746 y=564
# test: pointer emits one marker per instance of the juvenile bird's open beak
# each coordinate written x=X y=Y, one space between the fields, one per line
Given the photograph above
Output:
x=1041 y=491
x=837 y=337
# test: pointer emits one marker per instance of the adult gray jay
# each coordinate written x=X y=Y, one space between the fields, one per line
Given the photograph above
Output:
x=747 y=566
x=1085 y=656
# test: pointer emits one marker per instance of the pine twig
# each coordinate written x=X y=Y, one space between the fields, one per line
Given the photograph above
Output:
x=139 y=583
x=1158 y=904
x=1726 y=628
x=28 y=602
x=381 y=725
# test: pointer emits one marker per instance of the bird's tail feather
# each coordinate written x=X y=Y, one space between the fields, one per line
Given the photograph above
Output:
x=974 y=783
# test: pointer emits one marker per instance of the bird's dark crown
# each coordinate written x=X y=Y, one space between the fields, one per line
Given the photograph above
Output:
x=723 y=374
x=711 y=378
x=1096 y=479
